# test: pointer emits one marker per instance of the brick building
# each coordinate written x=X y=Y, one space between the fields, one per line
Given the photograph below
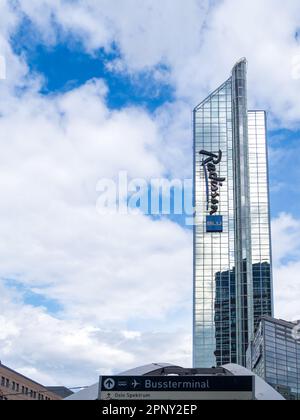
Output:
x=14 y=386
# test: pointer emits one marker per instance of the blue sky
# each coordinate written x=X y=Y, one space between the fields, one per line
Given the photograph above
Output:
x=284 y=171
x=67 y=65
x=102 y=91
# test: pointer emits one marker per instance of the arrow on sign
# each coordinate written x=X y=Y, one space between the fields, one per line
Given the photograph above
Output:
x=109 y=384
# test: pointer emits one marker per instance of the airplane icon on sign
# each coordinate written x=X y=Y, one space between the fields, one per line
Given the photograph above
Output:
x=135 y=384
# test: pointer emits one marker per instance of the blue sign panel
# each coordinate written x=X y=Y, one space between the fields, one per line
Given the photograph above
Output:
x=214 y=224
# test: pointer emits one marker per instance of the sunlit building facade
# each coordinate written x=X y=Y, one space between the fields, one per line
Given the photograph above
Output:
x=232 y=251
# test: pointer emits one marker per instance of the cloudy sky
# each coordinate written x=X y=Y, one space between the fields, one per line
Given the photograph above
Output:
x=97 y=86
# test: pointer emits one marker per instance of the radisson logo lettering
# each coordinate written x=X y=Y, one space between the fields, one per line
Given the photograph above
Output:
x=211 y=176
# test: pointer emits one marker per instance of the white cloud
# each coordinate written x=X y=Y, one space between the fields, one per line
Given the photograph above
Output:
x=48 y=186
x=70 y=352
x=147 y=33
x=199 y=42
x=107 y=273
x=15 y=70
x=287 y=291
x=286 y=248
x=286 y=232
x=123 y=282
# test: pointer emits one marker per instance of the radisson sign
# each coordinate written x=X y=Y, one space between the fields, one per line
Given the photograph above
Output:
x=213 y=183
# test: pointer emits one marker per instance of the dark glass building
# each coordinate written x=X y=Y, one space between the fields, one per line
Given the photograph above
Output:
x=232 y=251
x=274 y=355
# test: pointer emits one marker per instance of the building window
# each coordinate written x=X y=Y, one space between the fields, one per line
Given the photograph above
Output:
x=7 y=383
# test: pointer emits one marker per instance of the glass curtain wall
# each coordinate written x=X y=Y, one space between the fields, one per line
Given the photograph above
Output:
x=260 y=216
x=232 y=265
x=214 y=254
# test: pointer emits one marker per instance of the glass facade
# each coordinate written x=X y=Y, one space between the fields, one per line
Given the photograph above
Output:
x=232 y=257
x=260 y=215
x=274 y=355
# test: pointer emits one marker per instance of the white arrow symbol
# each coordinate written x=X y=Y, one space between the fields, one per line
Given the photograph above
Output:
x=109 y=384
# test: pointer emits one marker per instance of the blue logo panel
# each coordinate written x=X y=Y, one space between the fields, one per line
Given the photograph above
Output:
x=214 y=224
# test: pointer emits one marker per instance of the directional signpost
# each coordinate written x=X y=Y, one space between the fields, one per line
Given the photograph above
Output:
x=179 y=388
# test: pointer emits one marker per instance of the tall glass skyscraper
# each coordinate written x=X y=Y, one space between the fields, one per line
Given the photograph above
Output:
x=232 y=251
